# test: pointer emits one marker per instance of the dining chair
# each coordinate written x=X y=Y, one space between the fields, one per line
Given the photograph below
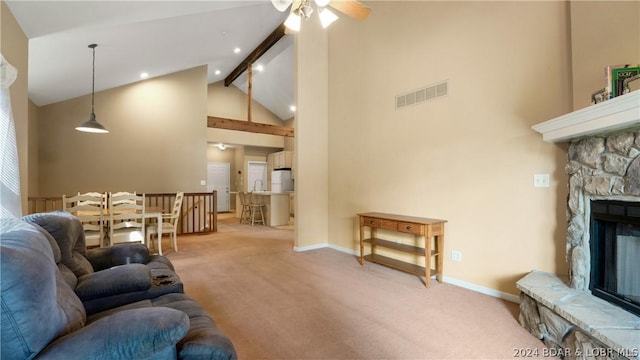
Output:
x=126 y=218
x=90 y=209
x=169 y=225
x=95 y=198
x=121 y=198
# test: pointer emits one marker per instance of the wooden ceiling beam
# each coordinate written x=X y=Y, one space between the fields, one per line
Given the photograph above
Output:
x=241 y=125
x=266 y=44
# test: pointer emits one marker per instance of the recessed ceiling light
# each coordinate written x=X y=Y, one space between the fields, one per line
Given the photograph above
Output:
x=144 y=75
x=236 y=50
x=260 y=67
x=217 y=72
x=292 y=108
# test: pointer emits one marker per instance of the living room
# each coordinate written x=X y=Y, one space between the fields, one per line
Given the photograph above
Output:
x=468 y=157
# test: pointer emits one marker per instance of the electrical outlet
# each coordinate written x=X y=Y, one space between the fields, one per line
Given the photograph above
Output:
x=541 y=180
x=456 y=255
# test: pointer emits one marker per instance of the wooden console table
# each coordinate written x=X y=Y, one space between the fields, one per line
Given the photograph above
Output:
x=429 y=229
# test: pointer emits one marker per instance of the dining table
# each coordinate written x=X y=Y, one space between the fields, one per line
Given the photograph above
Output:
x=151 y=212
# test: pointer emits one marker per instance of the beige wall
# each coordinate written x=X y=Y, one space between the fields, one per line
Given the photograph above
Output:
x=312 y=121
x=34 y=162
x=14 y=46
x=468 y=158
x=156 y=142
x=231 y=103
x=602 y=33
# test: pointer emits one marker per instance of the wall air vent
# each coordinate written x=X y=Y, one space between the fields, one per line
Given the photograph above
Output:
x=422 y=95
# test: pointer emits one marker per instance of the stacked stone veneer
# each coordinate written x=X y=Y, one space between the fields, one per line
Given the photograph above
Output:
x=569 y=319
x=599 y=168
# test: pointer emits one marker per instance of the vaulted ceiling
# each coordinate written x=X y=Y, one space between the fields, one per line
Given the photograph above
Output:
x=156 y=37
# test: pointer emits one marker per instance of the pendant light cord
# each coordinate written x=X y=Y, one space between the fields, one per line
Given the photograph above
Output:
x=93 y=76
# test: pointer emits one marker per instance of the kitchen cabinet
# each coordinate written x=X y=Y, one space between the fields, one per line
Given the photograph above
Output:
x=281 y=159
x=269 y=167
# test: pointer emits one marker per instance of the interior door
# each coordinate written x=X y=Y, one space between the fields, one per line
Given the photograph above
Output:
x=256 y=176
x=218 y=179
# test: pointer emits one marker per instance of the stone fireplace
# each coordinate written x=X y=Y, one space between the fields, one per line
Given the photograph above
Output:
x=599 y=168
x=603 y=164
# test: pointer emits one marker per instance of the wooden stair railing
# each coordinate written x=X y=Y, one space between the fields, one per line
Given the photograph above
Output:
x=199 y=213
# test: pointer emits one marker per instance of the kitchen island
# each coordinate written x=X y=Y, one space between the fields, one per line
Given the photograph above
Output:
x=276 y=207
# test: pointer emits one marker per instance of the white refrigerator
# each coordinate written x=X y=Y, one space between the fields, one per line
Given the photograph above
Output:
x=281 y=181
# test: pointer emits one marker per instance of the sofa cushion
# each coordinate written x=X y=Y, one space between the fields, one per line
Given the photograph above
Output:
x=163 y=281
x=118 y=254
x=142 y=333
x=204 y=340
x=67 y=274
x=68 y=232
x=114 y=281
x=37 y=304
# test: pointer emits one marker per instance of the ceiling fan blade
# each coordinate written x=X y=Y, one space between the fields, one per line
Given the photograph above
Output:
x=281 y=5
x=353 y=8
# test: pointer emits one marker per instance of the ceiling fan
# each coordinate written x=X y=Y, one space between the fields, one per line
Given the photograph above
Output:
x=303 y=9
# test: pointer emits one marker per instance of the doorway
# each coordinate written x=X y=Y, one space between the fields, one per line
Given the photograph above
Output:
x=256 y=176
x=218 y=179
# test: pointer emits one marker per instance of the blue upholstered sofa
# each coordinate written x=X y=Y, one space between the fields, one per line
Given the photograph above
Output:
x=107 y=277
x=44 y=318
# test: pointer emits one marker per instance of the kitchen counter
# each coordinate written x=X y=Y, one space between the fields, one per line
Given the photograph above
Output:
x=276 y=209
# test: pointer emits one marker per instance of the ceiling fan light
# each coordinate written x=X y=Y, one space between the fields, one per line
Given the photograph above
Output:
x=306 y=11
x=92 y=126
x=281 y=5
x=322 y=3
x=327 y=17
x=293 y=22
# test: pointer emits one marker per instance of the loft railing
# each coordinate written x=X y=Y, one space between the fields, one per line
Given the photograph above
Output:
x=199 y=213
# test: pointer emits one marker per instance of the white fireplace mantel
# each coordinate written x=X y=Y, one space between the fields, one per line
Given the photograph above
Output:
x=618 y=113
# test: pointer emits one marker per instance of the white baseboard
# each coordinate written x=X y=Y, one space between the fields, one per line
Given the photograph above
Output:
x=344 y=250
x=310 y=247
x=449 y=280
x=483 y=290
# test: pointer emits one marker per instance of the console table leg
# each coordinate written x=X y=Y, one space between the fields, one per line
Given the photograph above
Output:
x=361 y=245
x=427 y=260
x=439 y=256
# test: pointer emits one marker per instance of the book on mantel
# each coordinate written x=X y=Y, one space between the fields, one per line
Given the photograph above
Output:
x=615 y=76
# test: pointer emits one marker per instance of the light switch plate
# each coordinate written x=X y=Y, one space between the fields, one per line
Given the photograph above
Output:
x=203 y=182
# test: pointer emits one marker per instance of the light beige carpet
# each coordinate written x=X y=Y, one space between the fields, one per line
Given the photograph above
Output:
x=275 y=303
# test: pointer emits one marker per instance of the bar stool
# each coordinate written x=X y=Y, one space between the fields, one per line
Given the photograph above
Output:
x=245 y=201
x=256 y=209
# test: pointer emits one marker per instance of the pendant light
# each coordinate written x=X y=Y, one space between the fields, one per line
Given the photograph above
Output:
x=92 y=125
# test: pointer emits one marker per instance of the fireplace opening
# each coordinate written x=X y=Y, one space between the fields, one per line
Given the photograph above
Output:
x=615 y=253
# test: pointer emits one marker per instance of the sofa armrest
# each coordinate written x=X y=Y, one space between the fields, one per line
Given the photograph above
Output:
x=106 y=257
x=148 y=333
x=113 y=281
